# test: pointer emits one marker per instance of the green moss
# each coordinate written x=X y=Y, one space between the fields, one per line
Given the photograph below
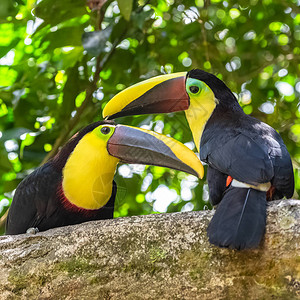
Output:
x=76 y=266
x=157 y=254
x=252 y=273
x=137 y=266
x=141 y=266
x=21 y=281
x=249 y=288
x=99 y=279
x=196 y=262
x=151 y=263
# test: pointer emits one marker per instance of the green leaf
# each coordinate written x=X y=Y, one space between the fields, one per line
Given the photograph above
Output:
x=6 y=96
x=70 y=58
x=73 y=87
x=118 y=30
x=54 y=12
x=125 y=7
x=139 y=19
x=67 y=36
x=94 y=42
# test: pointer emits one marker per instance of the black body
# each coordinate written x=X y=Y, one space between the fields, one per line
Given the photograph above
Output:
x=40 y=203
x=249 y=151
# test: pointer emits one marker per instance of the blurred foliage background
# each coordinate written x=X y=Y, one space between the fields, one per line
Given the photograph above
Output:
x=61 y=61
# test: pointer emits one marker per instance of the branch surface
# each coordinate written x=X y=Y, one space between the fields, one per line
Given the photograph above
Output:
x=164 y=256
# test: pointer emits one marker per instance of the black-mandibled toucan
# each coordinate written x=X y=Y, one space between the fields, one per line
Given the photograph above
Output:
x=233 y=144
x=77 y=184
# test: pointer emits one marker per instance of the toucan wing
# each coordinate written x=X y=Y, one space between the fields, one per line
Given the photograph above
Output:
x=35 y=199
x=283 y=179
x=243 y=159
x=252 y=155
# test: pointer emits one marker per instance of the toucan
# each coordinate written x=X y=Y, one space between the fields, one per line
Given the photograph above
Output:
x=77 y=184
x=248 y=162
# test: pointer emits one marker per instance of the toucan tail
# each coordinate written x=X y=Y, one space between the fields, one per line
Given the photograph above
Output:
x=240 y=219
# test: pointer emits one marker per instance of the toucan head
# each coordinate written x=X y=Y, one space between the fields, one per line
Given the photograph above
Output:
x=90 y=158
x=196 y=92
x=168 y=93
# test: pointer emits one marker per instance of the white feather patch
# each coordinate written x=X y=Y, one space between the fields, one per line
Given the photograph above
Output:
x=264 y=187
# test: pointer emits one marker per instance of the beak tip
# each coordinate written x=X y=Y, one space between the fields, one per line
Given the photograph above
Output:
x=200 y=172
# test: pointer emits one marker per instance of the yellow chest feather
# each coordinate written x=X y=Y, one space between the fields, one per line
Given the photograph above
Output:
x=88 y=174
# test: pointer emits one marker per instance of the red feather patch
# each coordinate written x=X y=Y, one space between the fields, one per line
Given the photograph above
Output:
x=228 y=180
x=72 y=207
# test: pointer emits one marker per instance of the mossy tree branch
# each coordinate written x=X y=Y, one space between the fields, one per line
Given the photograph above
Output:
x=163 y=256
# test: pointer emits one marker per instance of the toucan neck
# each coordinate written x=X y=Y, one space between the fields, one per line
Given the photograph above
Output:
x=88 y=174
x=197 y=116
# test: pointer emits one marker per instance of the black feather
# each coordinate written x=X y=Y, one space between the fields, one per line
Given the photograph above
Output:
x=240 y=219
x=217 y=185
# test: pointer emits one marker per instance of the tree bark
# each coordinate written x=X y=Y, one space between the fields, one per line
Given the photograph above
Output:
x=164 y=256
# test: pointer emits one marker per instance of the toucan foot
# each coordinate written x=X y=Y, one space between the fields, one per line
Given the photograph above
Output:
x=32 y=230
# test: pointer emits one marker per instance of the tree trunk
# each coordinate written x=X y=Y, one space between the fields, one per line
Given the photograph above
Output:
x=164 y=256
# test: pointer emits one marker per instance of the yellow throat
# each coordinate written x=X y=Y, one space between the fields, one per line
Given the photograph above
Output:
x=89 y=172
x=201 y=107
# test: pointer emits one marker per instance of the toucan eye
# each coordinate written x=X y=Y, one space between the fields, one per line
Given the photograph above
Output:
x=105 y=130
x=194 y=89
